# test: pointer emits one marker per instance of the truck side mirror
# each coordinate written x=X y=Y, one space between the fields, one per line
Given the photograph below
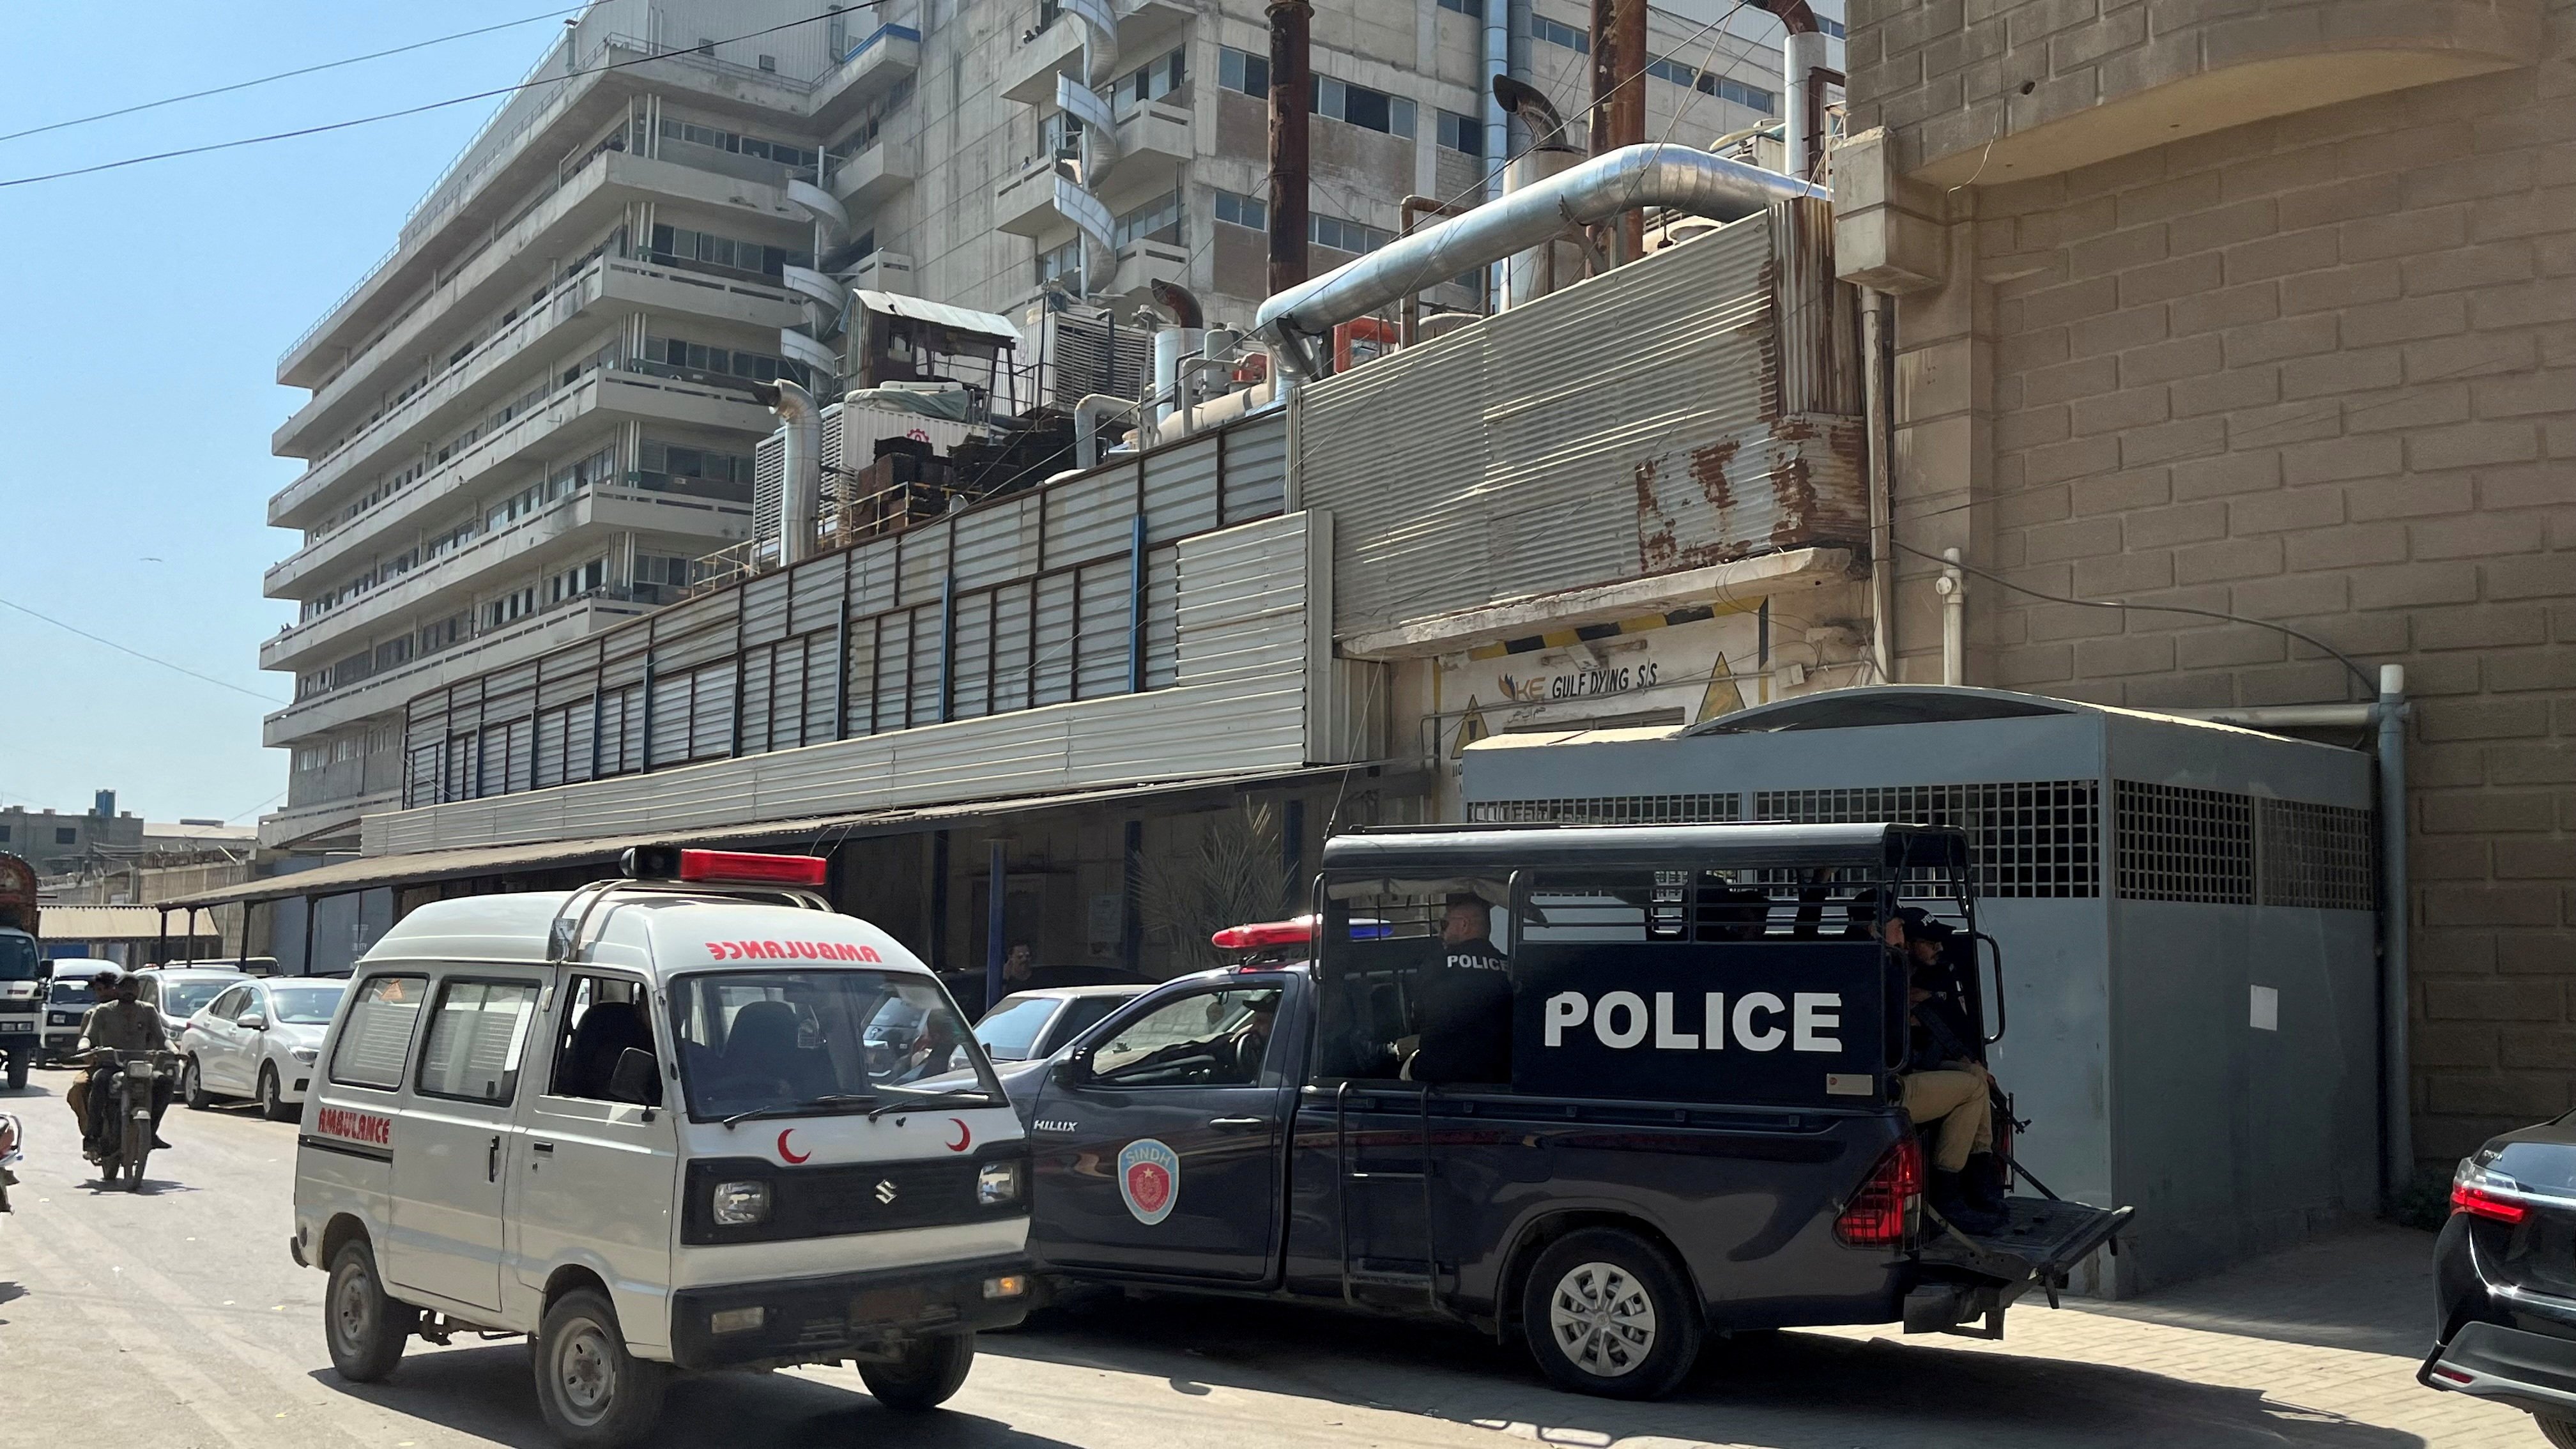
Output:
x=1073 y=1068
x=631 y=1080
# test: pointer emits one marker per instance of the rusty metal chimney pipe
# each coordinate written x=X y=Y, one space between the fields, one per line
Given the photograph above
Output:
x=1291 y=22
x=1619 y=106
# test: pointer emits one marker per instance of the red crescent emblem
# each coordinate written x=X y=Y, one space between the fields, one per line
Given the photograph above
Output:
x=965 y=1138
x=791 y=1158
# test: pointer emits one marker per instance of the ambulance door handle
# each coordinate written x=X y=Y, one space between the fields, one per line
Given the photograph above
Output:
x=492 y=1162
x=1235 y=1124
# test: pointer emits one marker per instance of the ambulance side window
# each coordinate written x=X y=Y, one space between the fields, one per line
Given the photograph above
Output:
x=377 y=1035
x=475 y=1040
x=603 y=1017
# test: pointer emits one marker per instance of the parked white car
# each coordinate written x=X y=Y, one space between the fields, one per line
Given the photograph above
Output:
x=259 y=1039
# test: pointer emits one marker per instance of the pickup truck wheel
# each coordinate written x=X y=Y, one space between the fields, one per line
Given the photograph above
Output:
x=192 y=1087
x=1606 y=1313
x=18 y=1064
x=2561 y=1432
x=272 y=1098
x=925 y=1373
x=594 y=1393
x=365 y=1328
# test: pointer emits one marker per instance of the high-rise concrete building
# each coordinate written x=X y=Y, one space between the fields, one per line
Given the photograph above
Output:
x=530 y=416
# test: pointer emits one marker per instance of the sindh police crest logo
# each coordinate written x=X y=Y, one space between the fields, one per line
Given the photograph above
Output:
x=1149 y=1178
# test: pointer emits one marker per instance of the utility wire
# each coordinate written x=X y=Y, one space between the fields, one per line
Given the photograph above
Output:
x=284 y=75
x=139 y=654
x=419 y=109
x=2369 y=686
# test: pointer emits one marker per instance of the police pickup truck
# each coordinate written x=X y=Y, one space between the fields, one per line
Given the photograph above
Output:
x=1675 y=1114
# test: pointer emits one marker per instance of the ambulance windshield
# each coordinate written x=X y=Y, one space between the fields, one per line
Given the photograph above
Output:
x=806 y=1042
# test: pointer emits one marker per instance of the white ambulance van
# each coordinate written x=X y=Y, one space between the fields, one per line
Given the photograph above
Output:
x=648 y=1123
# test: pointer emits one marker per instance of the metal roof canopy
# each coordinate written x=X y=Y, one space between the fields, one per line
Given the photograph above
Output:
x=1416 y=850
x=105 y=923
x=420 y=867
x=989 y=325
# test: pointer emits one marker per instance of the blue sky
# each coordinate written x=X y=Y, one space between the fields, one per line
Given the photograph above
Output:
x=141 y=315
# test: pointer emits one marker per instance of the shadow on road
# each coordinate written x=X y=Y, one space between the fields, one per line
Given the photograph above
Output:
x=1782 y=1391
x=488 y=1391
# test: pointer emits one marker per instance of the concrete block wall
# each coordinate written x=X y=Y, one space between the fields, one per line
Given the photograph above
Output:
x=2318 y=369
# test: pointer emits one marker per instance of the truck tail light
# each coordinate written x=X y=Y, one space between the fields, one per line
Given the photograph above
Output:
x=1879 y=1213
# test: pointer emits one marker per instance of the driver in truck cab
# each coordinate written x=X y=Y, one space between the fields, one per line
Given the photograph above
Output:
x=119 y=1023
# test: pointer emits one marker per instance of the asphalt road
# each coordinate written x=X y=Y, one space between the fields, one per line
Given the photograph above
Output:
x=174 y=1318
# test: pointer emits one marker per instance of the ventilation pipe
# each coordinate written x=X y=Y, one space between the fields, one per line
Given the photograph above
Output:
x=1086 y=425
x=1802 y=94
x=800 y=481
x=1290 y=24
x=1661 y=174
x=1619 y=106
x=1875 y=418
x=1172 y=344
x=1498 y=130
x=1557 y=262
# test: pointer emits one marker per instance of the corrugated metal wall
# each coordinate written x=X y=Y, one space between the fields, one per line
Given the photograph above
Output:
x=1033 y=600
x=1633 y=424
x=1236 y=704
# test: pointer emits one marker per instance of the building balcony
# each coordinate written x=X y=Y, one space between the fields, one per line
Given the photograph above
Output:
x=326 y=820
x=569 y=219
x=387 y=692
x=1157 y=132
x=1024 y=205
x=1028 y=73
x=614 y=397
x=875 y=176
x=551 y=534
x=873 y=66
x=1143 y=263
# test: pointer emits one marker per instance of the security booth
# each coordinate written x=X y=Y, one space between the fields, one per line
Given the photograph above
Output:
x=2183 y=914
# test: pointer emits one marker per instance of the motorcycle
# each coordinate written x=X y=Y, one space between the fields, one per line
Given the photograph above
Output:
x=121 y=1097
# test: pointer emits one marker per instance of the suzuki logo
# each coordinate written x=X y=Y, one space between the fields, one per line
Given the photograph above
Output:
x=885 y=1192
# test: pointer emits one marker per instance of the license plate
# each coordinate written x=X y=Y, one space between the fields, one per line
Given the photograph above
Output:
x=889 y=1305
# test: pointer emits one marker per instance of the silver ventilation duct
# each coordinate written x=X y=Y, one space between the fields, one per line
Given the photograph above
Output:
x=1661 y=174
x=800 y=484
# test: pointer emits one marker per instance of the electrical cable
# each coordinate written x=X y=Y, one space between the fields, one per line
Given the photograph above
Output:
x=2369 y=686
x=139 y=654
x=286 y=75
x=419 y=109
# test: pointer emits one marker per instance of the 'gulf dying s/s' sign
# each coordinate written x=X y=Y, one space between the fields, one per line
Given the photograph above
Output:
x=1738 y=1021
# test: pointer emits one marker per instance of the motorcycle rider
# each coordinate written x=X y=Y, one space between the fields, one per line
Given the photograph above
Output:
x=118 y=1023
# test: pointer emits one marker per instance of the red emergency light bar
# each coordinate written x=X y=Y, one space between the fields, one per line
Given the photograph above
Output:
x=724 y=867
x=1293 y=932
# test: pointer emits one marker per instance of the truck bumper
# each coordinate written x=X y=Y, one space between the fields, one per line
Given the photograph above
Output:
x=810 y=1320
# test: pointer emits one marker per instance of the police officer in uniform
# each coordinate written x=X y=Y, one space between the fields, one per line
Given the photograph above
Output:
x=1463 y=1004
x=119 y=1023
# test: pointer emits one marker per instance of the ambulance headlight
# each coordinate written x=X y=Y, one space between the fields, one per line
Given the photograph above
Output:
x=740 y=1204
x=997 y=1183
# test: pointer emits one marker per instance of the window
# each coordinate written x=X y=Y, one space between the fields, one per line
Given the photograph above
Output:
x=1064 y=262
x=475 y=1040
x=1150 y=82
x=1833 y=28
x=228 y=1007
x=1344 y=236
x=722 y=140
x=1361 y=106
x=1236 y=209
x=1580 y=42
x=819 y=1040
x=1464 y=7
x=4 y=834
x=1462 y=133
x=1161 y=219
x=1743 y=95
x=603 y=1017
x=1210 y=1039
x=1241 y=70
x=377 y=1033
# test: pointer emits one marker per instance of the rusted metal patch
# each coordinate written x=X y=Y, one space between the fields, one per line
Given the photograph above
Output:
x=1795 y=483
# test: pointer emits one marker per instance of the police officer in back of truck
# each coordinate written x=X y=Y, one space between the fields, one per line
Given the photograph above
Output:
x=1464 y=1001
x=1944 y=1083
x=119 y=1023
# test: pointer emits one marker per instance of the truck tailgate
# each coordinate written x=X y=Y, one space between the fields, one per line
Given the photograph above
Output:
x=2040 y=1241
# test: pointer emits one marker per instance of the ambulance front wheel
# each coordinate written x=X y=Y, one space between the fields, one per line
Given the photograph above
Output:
x=924 y=1372
x=594 y=1394
x=1607 y=1313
